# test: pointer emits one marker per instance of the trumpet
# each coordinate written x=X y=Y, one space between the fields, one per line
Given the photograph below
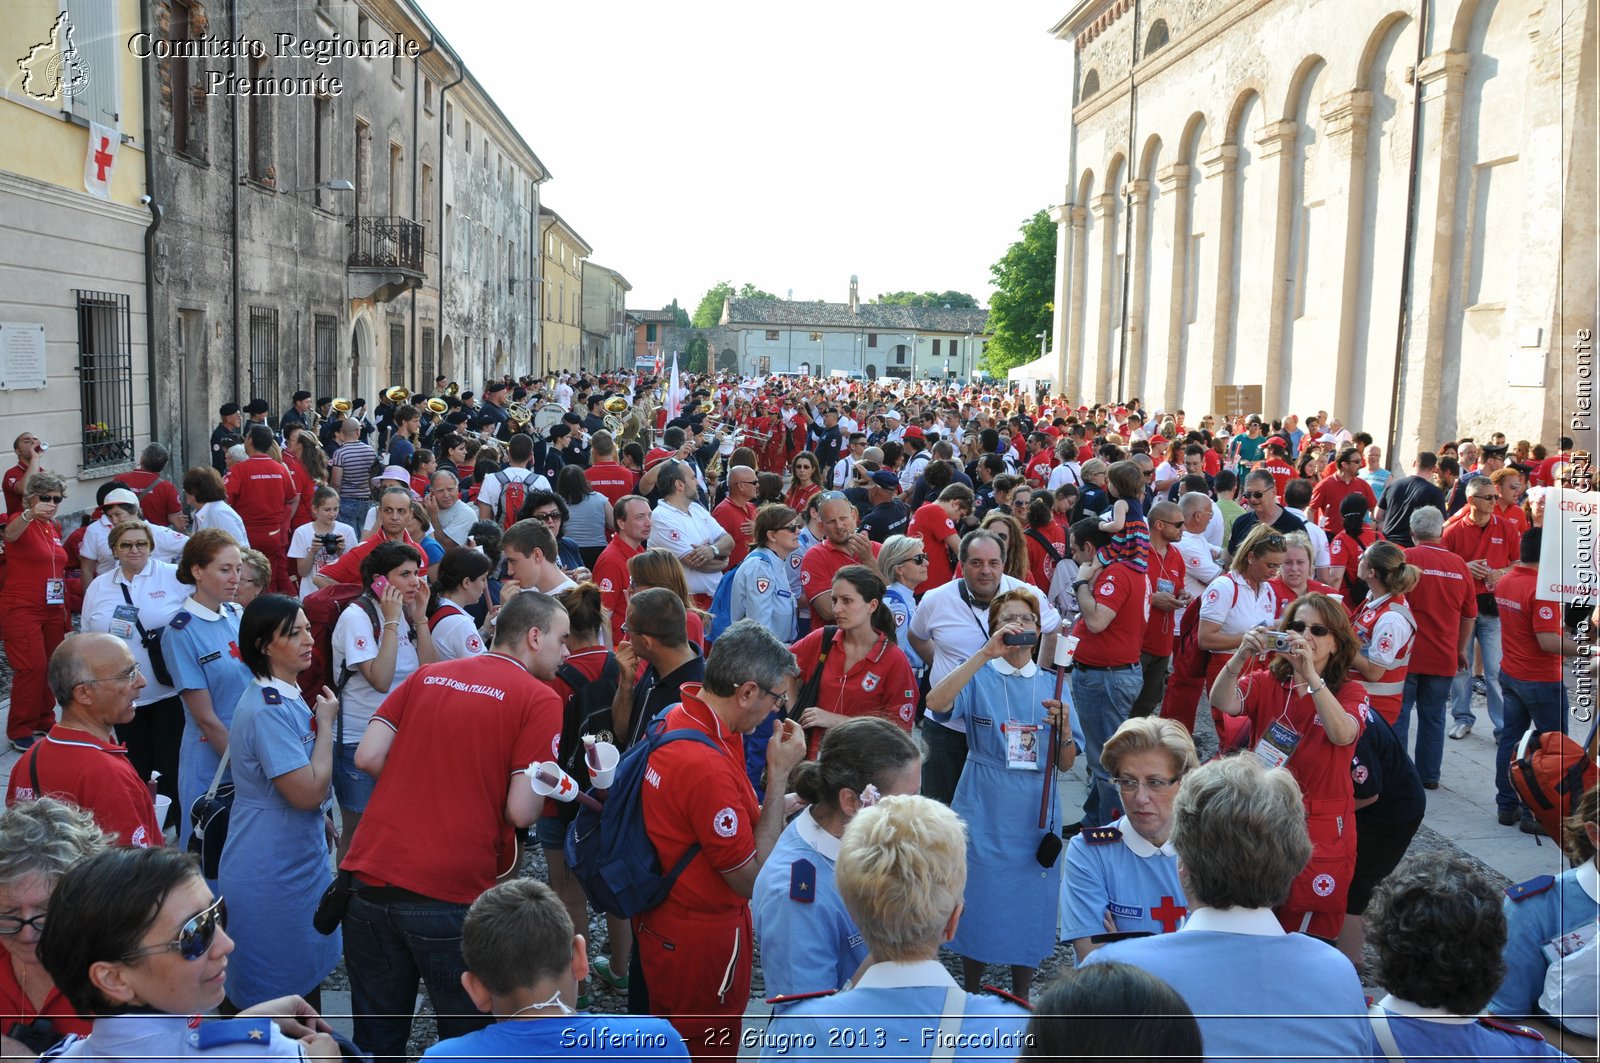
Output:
x=436 y=406
x=340 y=405
x=519 y=415
x=397 y=394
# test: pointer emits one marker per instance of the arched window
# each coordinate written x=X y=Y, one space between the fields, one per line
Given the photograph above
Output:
x=1157 y=37
x=1091 y=84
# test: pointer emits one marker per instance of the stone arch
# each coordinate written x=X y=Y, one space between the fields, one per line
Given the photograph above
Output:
x=1085 y=187
x=1157 y=38
x=1148 y=156
x=362 y=365
x=447 y=358
x=1196 y=241
x=1091 y=85
x=1310 y=68
x=1251 y=92
x=500 y=366
x=1193 y=141
x=1377 y=43
x=1150 y=297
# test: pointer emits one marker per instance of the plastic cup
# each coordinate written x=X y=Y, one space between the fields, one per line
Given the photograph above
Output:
x=606 y=756
x=550 y=781
x=163 y=806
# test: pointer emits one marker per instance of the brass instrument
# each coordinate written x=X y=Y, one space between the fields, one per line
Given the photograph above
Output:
x=452 y=390
x=340 y=405
x=436 y=406
x=519 y=415
x=397 y=394
x=618 y=413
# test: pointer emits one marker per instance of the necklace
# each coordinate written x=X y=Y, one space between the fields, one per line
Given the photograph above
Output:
x=554 y=1001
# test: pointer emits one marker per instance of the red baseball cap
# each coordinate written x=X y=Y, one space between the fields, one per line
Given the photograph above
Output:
x=915 y=432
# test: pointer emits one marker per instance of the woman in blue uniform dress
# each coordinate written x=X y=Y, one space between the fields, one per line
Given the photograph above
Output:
x=1541 y=916
x=201 y=647
x=1011 y=711
x=809 y=943
x=1123 y=877
x=1437 y=930
x=902 y=868
x=275 y=866
x=143 y=954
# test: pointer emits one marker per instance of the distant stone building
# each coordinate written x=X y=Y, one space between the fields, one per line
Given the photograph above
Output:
x=648 y=331
x=1306 y=205
x=604 y=325
x=561 y=324
x=761 y=336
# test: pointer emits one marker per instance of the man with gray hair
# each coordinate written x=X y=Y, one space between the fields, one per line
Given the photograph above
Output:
x=452 y=519
x=1240 y=832
x=95 y=680
x=1446 y=611
x=692 y=953
x=158 y=498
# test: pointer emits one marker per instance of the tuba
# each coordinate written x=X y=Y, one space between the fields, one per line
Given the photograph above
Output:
x=397 y=394
x=436 y=406
x=618 y=413
x=452 y=390
x=519 y=416
x=340 y=405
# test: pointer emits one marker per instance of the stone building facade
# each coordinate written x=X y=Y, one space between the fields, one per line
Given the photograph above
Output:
x=1386 y=211
x=605 y=341
x=561 y=325
x=371 y=228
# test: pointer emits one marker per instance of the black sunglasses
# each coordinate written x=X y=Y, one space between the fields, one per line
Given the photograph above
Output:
x=194 y=937
x=51 y=498
x=1301 y=627
x=1255 y=495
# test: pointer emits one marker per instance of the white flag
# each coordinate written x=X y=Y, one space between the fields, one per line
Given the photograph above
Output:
x=97 y=163
x=674 y=392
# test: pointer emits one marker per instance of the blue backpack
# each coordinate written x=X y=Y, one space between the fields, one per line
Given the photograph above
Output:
x=722 y=605
x=610 y=852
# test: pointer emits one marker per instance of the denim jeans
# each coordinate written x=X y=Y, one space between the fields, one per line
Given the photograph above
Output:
x=947 y=755
x=387 y=948
x=1429 y=694
x=1486 y=636
x=1101 y=699
x=354 y=513
x=1541 y=705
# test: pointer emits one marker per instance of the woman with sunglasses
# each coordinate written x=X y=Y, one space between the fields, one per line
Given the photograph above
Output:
x=1306 y=713
x=33 y=606
x=1011 y=894
x=903 y=564
x=39 y=841
x=135 y=601
x=805 y=482
x=275 y=865
x=145 y=953
x=761 y=589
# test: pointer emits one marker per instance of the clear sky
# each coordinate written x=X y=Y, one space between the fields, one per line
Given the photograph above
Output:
x=785 y=145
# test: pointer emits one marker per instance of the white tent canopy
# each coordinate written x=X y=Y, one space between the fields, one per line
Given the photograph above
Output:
x=1046 y=368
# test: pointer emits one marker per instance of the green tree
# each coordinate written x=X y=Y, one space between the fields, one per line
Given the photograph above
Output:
x=694 y=359
x=953 y=299
x=680 y=316
x=1020 y=307
x=709 y=312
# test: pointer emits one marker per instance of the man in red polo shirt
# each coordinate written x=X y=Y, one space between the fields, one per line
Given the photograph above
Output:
x=264 y=494
x=394 y=514
x=30 y=459
x=843 y=546
x=1037 y=471
x=694 y=948
x=79 y=760
x=1167 y=597
x=632 y=515
x=1332 y=489
x=937 y=524
x=1445 y=610
x=450 y=748
x=1276 y=462
x=737 y=512
x=604 y=473
x=158 y=498
x=1530 y=672
x=1114 y=607
x=1489 y=545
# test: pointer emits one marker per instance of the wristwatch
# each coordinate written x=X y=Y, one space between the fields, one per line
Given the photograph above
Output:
x=1079 y=583
x=716 y=555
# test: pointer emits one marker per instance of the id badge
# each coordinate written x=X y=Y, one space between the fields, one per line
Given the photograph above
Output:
x=1165 y=586
x=124 y=620
x=55 y=592
x=1277 y=745
x=1022 y=746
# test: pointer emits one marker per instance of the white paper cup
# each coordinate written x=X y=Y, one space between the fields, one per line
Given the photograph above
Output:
x=163 y=806
x=563 y=787
x=607 y=756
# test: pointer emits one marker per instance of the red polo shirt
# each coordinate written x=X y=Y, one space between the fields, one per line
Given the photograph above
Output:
x=732 y=516
x=348 y=568
x=1329 y=493
x=1522 y=618
x=94 y=775
x=611 y=479
x=880 y=684
x=820 y=564
x=1164 y=573
x=12 y=484
x=1497 y=542
x=1439 y=602
x=611 y=576
x=932 y=524
x=1038 y=469
x=161 y=500
x=1126 y=591
x=1281 y=471
x=693 y=793
x=261 y=490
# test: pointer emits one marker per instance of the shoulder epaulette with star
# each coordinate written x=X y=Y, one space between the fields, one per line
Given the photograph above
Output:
x=803 y=881
x=271 y=696
x=180 y=621
x=1510 y=1027
x=1020 y=1002
x=1100 y=835
x=221 y=1033
x=1531 y=888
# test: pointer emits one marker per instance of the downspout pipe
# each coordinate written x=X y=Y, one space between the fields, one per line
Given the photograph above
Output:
x=156 y=214
x=241 y=375
x=1408 y=263
x=423 y=386
x=461 y=75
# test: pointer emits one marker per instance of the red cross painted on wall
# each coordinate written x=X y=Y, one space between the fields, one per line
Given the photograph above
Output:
x=1168 y=914
x=102 y=158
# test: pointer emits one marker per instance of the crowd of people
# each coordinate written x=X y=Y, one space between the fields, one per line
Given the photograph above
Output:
x=888 y=615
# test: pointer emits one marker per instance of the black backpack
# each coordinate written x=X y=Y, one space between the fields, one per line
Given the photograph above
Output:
x=588 y=712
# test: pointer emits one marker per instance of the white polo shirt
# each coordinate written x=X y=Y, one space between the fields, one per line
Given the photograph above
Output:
x=681 y=532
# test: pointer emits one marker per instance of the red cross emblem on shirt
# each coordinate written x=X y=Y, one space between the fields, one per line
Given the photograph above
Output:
x=233 y=651
x=1168 y=914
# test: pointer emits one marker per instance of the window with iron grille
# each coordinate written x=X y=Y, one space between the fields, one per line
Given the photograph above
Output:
x=327 y=350
x=264 y=353
x=105 y=378
x=425 y=377
x=397 y=354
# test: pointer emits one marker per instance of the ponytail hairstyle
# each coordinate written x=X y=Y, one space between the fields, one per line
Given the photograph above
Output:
x=870 y=586
x=1388 y=562
x=865 y=751
x=1353 y=514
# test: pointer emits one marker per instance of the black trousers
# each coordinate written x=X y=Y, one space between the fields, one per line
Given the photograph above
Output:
x=153 y=737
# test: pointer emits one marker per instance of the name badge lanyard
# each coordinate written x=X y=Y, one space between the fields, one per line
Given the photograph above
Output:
x=1022 y=745
x=1281 y=739
x=55 y=587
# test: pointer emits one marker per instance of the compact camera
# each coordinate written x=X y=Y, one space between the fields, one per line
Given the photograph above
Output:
x=1280 y=642
x=332 y=542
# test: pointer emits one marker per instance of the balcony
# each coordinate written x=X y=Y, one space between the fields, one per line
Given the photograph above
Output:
x=387 y=258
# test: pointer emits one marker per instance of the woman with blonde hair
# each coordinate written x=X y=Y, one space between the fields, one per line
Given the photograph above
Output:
x=1294 y=575
x=656 y=566
x=1385 y=626
x=1009 y=531
x=255 y=576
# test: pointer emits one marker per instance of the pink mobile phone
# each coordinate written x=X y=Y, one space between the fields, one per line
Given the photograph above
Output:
x=379 y=585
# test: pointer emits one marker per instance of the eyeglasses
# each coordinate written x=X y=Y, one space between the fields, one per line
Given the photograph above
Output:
x=132 y=675
x=1023 y=618
x=1021 y=503
x=780 y=701
x=11 y=924
x=51 y=498
x=142 y=544
x=1156 y=785
x=194 y=937
x=626 y=630
x=1275 y=542
x=1484 y=498
x=1255 y=495
x=553 y=517
x=918 y=559
x=1301 y=627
